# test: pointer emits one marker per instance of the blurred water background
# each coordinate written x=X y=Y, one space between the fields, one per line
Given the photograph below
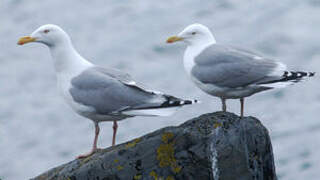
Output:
x=39 y=131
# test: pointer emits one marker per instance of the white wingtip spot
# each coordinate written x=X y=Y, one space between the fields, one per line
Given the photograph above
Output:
x=257 y=57
x=132 y=83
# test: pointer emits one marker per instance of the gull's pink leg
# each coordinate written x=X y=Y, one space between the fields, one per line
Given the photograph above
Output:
x=94 y=147
x=242 y=107
x=115 y=127
x=224 y=105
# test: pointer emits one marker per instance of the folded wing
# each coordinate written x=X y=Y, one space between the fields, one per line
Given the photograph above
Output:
x=230 y=67
x=110 y=91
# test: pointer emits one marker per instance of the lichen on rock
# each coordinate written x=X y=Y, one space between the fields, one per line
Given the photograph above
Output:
x=133 y=143
x=165 y=153
x=213 y=146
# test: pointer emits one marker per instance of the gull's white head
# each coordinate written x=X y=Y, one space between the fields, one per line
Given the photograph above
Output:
x=50 y=35
x=194 y=34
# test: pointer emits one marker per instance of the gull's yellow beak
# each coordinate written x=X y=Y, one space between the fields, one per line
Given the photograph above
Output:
x=173 y=39
x=25 y=40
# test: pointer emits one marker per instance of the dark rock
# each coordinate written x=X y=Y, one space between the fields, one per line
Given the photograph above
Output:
x=213 y=146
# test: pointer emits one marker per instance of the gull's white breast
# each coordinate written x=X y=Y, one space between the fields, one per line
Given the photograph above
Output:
x=188 y=59
x=64 y=85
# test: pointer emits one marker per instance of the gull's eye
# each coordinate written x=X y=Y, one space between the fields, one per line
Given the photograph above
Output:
x=46 y=31
x=193 y=33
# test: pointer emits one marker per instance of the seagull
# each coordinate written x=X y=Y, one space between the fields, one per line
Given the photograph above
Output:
x=97 y=93
x=229 y=72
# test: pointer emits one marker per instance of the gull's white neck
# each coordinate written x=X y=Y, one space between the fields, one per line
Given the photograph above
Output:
x=67 y=60
x=194 y=49
x=68 y=64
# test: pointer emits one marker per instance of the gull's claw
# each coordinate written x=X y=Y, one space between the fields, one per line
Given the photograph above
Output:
x=89 y=153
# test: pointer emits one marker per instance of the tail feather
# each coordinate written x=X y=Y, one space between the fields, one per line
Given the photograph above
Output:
x=288 y=77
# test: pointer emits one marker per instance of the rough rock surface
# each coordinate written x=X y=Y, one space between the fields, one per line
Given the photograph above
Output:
x=213 y=146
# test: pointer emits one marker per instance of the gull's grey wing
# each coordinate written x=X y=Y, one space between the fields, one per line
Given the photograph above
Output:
x=107 y=92
x=230 y=67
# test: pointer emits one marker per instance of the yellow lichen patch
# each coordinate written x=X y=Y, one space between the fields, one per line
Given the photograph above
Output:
x=119 y=167
x=169 y=178
x=167 y=136
x=154 y=175
x=216 y=125
x=133 y=143
x=137 y=177
x=176 y=168
x=85 y=160
x=116 y=161
x=165 y=153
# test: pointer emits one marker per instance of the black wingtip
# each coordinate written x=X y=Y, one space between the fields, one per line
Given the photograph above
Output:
x=172 y=101
x=311 y=74
x=187 y=102
x=292 y=76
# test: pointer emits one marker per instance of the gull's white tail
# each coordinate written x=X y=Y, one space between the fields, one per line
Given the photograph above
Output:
x=167 y=108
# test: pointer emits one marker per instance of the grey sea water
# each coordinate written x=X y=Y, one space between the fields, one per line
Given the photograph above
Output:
x=39 y=131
